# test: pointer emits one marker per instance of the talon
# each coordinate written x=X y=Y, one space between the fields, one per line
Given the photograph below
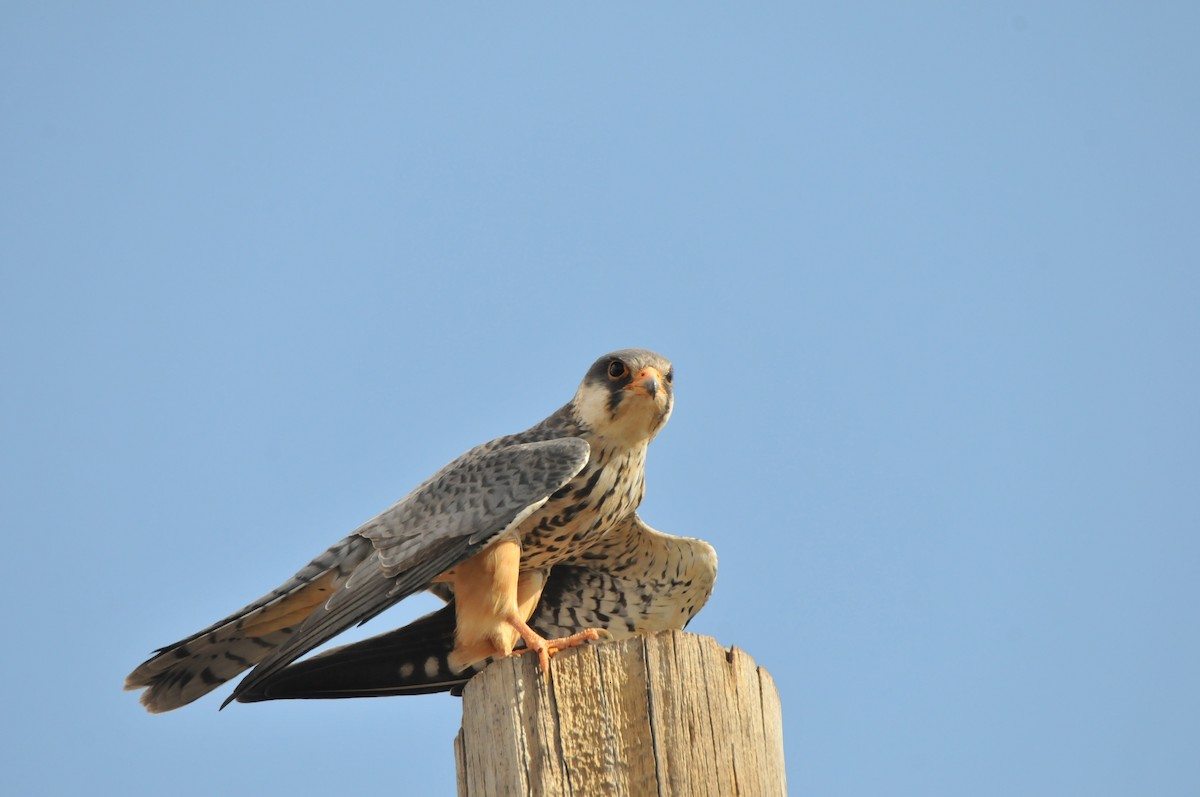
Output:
x=545 y=648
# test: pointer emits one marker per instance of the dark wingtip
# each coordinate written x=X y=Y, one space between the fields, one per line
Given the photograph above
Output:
x=388 y=664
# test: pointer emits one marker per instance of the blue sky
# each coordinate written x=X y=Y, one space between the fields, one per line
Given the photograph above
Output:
x=928 y=274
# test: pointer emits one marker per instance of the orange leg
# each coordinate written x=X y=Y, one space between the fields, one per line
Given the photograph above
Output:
x=493 y=598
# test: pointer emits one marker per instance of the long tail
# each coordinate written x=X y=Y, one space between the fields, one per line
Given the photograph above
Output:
x=190 y=668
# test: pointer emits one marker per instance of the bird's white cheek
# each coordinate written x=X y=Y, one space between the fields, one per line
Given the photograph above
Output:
x=592 y=406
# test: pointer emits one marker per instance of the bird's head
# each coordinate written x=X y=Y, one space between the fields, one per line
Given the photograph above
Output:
x=627 y=395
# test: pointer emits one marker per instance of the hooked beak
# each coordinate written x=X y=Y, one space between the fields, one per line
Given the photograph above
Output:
x=647 y=382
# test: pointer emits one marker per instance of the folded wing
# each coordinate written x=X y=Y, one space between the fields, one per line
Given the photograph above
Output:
x=455 y=513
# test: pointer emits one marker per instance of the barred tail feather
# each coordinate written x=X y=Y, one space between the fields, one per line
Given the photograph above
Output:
x=191 y=668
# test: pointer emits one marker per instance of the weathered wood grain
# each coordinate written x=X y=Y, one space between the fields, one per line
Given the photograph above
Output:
x=673 y=715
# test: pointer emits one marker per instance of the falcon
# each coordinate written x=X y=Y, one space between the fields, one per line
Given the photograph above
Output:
x=533 y=540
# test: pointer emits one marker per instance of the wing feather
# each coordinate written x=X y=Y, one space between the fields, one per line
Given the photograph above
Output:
x=454 y=514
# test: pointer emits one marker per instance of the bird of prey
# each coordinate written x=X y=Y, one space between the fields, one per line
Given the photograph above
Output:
x=532 y=538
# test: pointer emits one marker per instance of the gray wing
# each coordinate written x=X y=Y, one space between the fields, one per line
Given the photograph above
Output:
x=454 y=514
x=639 y=581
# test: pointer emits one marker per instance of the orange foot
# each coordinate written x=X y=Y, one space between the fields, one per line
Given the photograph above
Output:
x=545 y=648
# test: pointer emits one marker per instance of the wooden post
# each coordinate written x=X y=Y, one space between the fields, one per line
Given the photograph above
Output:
x=673 y=715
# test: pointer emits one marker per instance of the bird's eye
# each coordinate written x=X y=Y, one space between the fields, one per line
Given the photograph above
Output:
x=617 y=369
x=670 y=377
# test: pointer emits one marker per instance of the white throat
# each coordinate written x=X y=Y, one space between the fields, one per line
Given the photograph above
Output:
x=635 y=423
